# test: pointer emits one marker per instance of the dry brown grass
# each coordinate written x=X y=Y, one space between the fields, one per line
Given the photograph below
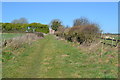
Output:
x=98 y=47
x=19 y=41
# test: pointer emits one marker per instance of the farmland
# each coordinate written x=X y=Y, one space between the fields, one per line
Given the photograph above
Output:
x=50 y=57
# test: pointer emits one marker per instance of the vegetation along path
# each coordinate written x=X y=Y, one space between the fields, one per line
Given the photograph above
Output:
x=51 y=58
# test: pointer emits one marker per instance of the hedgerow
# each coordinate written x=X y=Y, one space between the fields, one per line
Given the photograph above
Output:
x=83 y=33
x=17 y=27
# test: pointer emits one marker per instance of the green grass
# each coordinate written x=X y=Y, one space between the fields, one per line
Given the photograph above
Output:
x=51 y=58
x=11 y=35
x=7 y=56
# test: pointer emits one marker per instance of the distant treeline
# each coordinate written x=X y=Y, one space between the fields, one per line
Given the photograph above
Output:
x=25 y=27
x=111 y=33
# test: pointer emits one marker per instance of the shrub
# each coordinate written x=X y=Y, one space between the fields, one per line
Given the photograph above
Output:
x=39 y=34
x=60 y=31
x=20 y=41
x=82 y=31
x=82 y=34
x=86 y=33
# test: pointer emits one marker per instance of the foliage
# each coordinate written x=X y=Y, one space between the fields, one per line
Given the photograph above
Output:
x=33 y=27
x=60 y=31
x=39 y=34
x=9 y=27
x=55 y=24
x=86 y=33
x=21 y=25
x=82 y=32
x=42 y=28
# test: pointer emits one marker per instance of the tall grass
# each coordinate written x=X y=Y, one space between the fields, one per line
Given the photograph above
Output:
x=12 y=44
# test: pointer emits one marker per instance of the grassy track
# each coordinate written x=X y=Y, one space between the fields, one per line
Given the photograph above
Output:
x=51 y=58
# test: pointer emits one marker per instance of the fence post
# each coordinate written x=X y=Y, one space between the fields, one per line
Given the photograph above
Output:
x=116 y=43
x=104 y=41
x=112 y=41
x=102 y=46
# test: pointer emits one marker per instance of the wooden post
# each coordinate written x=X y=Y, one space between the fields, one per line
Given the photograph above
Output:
x=102 y=47
x=104 y=40
x=116 y=43
x=112 y=41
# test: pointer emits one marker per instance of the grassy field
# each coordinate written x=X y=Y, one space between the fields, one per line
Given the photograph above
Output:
x=11 y=35
x=51 y=58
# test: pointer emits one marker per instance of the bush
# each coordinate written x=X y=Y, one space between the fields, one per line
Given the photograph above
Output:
x=39 y=34
x=60 y=31
x=82 y=33
x=86 y=33
x=20 y=41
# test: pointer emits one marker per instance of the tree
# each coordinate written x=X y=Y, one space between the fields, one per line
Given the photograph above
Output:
x=81 y=21
x=1 y=27
x=42 y=28
x=24 y=27
x=7 y=27
x=55 y=24
x=37 y=27
x=21 y=21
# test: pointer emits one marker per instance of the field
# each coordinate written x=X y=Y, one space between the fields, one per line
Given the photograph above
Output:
x=52 y=58
x=11 y=35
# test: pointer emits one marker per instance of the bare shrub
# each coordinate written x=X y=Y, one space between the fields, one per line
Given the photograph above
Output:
x=39 y=34
x=60 y=31
x=81 y=21
x=18 y=42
